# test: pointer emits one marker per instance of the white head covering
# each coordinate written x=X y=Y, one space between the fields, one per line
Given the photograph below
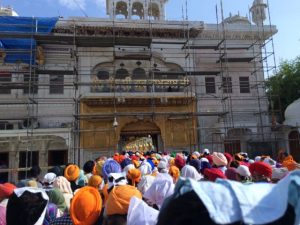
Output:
x=243 y=171
x=140 y=213
x=145 y=168
x=63 y=185
x=116 y=179
x=270 y=161
x=49 y=178
x=279 y=173
x=190 y=172
x=163 y=167
x=196 y=153
x=206 y=151
x=257 y=158
x=145 y=183
x=161 y=188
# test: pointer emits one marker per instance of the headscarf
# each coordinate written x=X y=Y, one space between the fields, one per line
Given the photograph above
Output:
x=57 y=198
x=219 y=159
x=95 y=181
x=163 y=167
x=86 y=206
x=6 y=190
x=119 y=199
x=63 y=185
x=230 y=173
x=261 y=168
x=72 y=172
x=161 y=188
x=2 y=215
x=145 y=183
x=27 y=206
x=145 y=168
x=82 y=180
x=139 y=213
x=135 y=176
x=179 y=161
x=190 y=172
x=110 y=166
x=214 y=173
x=196 y=163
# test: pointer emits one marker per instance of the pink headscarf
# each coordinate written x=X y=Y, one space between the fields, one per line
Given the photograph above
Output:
x=63 y=185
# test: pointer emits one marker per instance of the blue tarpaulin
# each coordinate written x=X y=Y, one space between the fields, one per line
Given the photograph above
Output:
x=20 y=49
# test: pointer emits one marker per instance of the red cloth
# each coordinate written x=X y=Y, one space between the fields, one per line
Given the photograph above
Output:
x=179 y=162
x=6 y=190
x=228 y=157
x=210 y=159
x=214 y=173
x=261 y=168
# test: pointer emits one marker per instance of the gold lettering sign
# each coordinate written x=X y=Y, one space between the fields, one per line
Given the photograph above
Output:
x=184 y=82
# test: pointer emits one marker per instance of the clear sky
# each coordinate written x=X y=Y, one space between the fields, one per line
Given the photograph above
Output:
x=284 y=14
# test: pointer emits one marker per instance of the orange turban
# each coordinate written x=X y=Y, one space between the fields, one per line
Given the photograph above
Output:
x=136 y=163
x=119 y=199
x=174 y=172
x=95 y=181
x=105 y=193
x=289 y=163
x=72 y=172
x=86 y=206
x=134 y=175
x=6 y=190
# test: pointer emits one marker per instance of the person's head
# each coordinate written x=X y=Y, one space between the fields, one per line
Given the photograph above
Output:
x=134 y=177
x=88 y=167
x=72 y=172
x=261 y=172
x=162 y=167
x=35 y=171
x=26 y=206
x=243 y=173
x=6 y=190
x=235 y=164
x=175 y=173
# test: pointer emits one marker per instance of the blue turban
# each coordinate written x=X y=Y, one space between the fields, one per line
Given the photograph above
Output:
x=110 y=166
x=125 y=163
x=196 y=163
x=204 y=165
x=151 y=163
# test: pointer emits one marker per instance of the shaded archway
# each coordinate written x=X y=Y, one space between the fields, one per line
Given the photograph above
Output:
x=294 y=144
x=121 y=10
x=138 y=10
x=153 y=11
x=136 y=131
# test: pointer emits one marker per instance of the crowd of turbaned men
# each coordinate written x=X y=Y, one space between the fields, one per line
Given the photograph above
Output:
x=136 y=188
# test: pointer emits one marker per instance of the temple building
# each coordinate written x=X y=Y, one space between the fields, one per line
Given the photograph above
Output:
x=77 y=88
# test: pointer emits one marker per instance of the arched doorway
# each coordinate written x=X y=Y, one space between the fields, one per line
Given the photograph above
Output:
x=294 y=144
x=140 y=136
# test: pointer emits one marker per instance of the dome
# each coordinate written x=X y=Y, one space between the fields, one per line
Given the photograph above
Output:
x=292 y=115
x=237 y=19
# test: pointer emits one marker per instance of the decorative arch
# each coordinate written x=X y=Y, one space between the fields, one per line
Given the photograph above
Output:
x=121 y=9
x=137 y=10
x=153 y=11
x=294 y=144
x=121 y=74
x=139 y=74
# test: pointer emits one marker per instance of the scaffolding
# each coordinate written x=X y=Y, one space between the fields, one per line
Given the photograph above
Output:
x=210 y=57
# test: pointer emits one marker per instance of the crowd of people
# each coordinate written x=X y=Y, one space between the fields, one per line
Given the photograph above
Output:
x=136 y=188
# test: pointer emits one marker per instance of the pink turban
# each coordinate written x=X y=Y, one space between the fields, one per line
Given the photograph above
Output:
x=219 y=159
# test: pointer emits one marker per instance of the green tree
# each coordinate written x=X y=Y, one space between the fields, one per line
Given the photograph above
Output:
x=284 y=87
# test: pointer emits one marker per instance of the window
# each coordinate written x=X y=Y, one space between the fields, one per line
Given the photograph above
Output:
x=210 y=85
x=57 y=157
x=103 y=75
x=4 y=125
x=244 y=85
x=227 y=85
x=31 y=158
x=31 y=84
x=56 y=84
x=121 y=74
x=5 y=79
x=4 y=162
